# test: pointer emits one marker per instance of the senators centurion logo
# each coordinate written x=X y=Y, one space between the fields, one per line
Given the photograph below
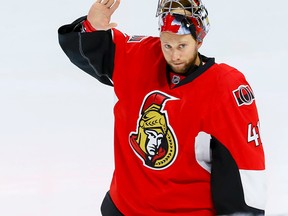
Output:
x=154 y=142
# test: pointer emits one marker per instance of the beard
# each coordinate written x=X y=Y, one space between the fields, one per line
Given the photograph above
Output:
x=183 y=67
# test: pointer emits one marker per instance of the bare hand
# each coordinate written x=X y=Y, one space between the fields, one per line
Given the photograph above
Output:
x=100 y=14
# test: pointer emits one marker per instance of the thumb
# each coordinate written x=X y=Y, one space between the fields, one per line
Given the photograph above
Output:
x=111 y=25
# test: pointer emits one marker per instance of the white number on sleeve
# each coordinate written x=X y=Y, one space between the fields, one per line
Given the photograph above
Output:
x=253 y=134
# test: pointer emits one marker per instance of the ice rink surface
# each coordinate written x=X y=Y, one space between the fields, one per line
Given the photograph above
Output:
x=56 y=122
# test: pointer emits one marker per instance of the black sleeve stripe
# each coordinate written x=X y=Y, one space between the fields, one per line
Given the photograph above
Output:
x=92 y=52
x=226 y=186
x=85 y=57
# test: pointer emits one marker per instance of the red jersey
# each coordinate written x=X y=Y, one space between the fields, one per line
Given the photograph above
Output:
x=187 y=146
x=219 y=103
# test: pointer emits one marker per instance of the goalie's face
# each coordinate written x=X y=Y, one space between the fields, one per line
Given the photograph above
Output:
x=180 y=51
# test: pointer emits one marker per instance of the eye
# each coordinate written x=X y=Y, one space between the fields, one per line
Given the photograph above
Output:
x=182 y=46
x=167 y=46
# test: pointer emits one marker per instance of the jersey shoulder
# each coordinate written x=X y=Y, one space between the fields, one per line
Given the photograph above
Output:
x=134 y=40
x=225 y=70
x=232 y=86
x=229 y=77
x=136 y=46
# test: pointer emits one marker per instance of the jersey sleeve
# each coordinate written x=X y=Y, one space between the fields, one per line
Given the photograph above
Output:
x=92 y=52
x=238 y=164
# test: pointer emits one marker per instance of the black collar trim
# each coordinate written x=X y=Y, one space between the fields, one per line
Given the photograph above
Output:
x=200 y=70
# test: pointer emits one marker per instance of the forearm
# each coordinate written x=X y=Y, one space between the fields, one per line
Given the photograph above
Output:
x=238 y=161
x=230 y=196
x=92 y=52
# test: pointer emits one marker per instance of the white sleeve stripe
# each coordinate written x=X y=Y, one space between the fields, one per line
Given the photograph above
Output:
x=203 y=151
x=254 y=187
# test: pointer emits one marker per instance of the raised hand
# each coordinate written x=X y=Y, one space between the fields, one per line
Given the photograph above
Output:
x=100 y=14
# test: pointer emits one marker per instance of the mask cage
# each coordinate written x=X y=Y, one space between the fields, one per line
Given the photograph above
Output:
x=166 y=6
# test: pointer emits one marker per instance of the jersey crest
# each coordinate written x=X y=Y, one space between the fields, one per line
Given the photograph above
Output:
x=244 y=95
x=154 y=142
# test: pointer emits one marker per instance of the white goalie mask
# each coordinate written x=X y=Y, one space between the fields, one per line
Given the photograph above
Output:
x=193 y=11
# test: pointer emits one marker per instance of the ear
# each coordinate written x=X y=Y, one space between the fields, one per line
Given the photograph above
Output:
x=199 y=44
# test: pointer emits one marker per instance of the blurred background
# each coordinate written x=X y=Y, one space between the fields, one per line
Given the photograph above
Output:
x=56 y=122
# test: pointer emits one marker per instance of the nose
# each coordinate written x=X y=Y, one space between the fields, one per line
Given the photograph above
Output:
x=175 y=55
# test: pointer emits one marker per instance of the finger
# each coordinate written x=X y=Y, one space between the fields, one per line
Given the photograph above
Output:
x=97 y=1
x=109 y=3
x=115 y=6
x=104 y=2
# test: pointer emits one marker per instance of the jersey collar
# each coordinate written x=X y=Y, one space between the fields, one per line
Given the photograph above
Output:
x=192 y=74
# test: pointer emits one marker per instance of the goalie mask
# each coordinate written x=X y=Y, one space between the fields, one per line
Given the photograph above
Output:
x=183 y=17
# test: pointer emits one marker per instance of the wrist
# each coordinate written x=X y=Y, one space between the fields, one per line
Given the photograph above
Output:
x=87 y=27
